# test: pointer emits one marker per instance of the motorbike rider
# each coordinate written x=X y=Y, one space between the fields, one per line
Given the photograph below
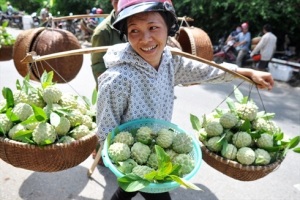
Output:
x=230 y=39
x=10 y=9
x=242 y=44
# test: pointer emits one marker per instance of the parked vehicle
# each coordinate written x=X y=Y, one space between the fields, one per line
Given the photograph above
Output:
x=226 y=53
x=16 y=20
x=35 y=20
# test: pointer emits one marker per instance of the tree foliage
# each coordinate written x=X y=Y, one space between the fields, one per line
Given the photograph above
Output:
x=220 y=17
x=217 y=17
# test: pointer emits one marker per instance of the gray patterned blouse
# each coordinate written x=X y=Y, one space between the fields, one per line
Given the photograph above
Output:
x=133 y=89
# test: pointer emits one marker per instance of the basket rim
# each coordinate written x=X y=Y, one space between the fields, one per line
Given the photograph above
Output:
x=170 y=184
x=51 y=146
x=237 y=165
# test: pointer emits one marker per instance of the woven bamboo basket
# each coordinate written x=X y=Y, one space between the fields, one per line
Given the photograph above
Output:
x=236 y=170
x=46 y=41
x=51 y=158
x=195 y=41
x=6 y=53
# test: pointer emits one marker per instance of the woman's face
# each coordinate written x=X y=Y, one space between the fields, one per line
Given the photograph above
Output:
x=147 y=34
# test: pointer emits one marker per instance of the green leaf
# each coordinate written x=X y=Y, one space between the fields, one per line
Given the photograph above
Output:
x=11 y=116
x=294 y=142
x=297 y=150
x=196 y=124
x=230 y=104
x=54 y=119
x=278 y=136
x=238 y=95
x=39 y=115
x=23 y=136
x=46 y=79
x=185 y=183
x=8 y=95
x=94 y=97
x=164 y=161
x=246 y=126
x=132 y=183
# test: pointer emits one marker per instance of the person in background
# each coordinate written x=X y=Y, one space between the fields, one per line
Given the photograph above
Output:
x=104 y=35
x=44 y=14
x=243 y=43
x=265 y=47
x=142 y=73
x=234 y=33
x=99 y=19
x=10 y=9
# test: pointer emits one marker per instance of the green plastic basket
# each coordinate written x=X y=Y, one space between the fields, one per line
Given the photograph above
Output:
x=155 y=125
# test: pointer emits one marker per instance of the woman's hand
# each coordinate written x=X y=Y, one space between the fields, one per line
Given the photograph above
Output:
x=263 y=80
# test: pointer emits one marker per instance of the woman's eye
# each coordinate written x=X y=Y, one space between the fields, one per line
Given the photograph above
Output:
x=133 y=31
x=153 y=28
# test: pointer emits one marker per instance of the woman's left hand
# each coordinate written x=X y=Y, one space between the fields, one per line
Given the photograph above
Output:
x=263 y=80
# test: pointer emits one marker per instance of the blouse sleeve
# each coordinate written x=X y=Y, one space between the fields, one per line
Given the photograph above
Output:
x=188 y=71
x=111 y=103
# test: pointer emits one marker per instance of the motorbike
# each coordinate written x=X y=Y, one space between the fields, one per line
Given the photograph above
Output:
x=16 y=20
x=35 y=20
x=226 y=53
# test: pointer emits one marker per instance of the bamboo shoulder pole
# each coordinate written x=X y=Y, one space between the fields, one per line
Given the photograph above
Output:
x=31 y=57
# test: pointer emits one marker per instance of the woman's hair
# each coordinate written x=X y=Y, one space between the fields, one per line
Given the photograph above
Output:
x=165 y=16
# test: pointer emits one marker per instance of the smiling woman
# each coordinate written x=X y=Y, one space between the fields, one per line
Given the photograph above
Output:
x=142 y=73
x=147 y=33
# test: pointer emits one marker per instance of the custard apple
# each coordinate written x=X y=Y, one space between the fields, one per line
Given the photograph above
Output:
x=88 y=121
x=22 y=111
x=213 y=129
x=182 y=143
x=124 y=137
x=229 y=151
x=140 y=152
x=264 y=125
x=245 y=155
x=241 y=139
x=36 y=99
x=79 y=132
x=68 y=101
x=213 y=144
x=186 y=162
x=44 y=134
x=63 y=127
x=75 y=117
x=144 y=135
x=152 y=161
x=118 y=152
x=66 y=139
x=265 y=140
x=126 y=166
x=228 y=120
x=164 y=138
x=20 y=97
x=246 y=111
x=142 y=170
x=171 y=153
x=15 y=129
x=5 y=124
x=262 y=157
x=51 y=94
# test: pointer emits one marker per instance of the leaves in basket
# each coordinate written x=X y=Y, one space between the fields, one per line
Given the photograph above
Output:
x=33 y=108
x=132 y=183
x=242 y=119
x=196 y=124
x=166 y=172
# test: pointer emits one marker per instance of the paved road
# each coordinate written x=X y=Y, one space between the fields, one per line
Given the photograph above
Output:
x=282 y=184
